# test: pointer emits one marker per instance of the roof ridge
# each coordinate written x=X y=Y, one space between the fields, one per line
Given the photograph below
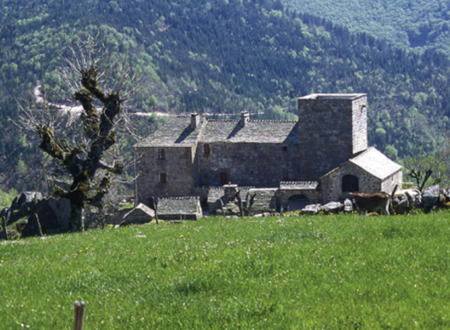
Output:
x=179 y=198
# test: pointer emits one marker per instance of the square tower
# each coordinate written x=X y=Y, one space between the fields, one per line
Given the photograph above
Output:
x=332 y=129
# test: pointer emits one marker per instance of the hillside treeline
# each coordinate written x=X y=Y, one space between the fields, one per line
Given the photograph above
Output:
x=419 y=24
x=222 y=56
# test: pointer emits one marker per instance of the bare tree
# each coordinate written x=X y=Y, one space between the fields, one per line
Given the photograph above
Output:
x=101 y=85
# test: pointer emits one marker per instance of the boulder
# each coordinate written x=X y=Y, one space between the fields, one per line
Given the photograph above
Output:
x=53 y=216
x=229 y=209
x=430 y=197
x=139 y=215
x=401 y=203
x=446 y=193
x=29 y=196
x=332 y=207
x=259 y=215
x=311 y=209
x=348 y=205
x=414 y=197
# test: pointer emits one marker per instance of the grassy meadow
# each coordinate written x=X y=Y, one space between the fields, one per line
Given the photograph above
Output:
x=322 y=272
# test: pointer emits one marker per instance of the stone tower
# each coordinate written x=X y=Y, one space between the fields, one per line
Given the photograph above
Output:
x=332 y=129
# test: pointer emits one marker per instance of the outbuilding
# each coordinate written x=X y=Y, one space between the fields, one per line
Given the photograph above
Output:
x=368 y=172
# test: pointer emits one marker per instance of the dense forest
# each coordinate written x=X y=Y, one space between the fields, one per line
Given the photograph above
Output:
x=419 y=24
x=221 y=57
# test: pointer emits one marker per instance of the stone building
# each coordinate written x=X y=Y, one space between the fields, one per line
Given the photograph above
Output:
x=309 y=159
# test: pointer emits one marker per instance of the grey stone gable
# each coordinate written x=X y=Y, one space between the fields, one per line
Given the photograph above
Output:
x=375 y=163
x=255 y=131
x=176 y=132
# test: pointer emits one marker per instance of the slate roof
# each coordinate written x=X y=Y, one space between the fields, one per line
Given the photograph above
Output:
x=298 y=185
x=178 y=205
x=255 y=131
x=352 y=96
x=375 y=163
x=177 y=132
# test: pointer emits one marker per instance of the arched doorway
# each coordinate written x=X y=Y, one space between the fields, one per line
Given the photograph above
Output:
x=297 y=202
x=350 y=183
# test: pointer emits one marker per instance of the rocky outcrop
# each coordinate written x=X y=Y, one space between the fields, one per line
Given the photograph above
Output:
x=38 y=215
x=50 y=215
x=430 y=197
x=311 y=209
x=332 y=207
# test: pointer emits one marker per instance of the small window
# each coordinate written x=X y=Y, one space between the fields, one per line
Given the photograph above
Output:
x=163 y=177
x=207 y=149
x=285 y=148
x=161 y=154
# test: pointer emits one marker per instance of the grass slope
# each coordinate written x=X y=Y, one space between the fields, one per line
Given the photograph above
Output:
x=263 y=273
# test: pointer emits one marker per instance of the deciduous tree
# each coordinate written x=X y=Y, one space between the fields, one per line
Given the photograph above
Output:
x=99 y=85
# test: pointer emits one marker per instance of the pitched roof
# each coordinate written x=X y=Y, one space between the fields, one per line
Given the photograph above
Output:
x=373 y=162
x=376 y=163
x=352 y=96
x=254 y=131
x=178 y=133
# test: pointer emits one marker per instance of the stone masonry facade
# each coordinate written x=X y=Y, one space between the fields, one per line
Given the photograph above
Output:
x=192 y=154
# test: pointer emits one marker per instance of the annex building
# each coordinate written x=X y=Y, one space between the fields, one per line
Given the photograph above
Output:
x=317 y=159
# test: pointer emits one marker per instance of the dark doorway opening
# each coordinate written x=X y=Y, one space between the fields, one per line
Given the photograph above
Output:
x=350 y=183
x=297 y=202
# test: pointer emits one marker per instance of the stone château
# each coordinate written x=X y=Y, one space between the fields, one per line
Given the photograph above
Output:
x=319 y=158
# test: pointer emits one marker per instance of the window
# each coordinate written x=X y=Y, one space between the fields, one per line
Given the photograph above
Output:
x=285 y=148
x=162 y=177
x=285 y=174
x=207 y=149
x=350 y=183
x=161 y=154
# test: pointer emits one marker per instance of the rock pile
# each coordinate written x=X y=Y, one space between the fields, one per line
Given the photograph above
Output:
x=35 y=215
x=403 y=202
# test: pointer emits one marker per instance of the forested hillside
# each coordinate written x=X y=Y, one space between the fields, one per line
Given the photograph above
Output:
x=420 y=24
x=223 y=56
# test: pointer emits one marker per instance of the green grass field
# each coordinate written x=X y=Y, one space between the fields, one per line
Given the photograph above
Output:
x=323 y=272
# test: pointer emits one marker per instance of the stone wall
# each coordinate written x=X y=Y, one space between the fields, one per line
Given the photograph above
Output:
x=332 y=129
x=389 y=183
x=248 y=164
x=359 y=129
x=265 y=200
x=177 y=166
x=332 y=182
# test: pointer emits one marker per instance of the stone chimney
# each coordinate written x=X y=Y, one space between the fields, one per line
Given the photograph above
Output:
x=245 y=117
x=230 y=191
x=195 y=120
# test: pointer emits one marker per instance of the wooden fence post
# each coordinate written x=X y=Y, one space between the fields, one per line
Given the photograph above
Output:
x=79 y=315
